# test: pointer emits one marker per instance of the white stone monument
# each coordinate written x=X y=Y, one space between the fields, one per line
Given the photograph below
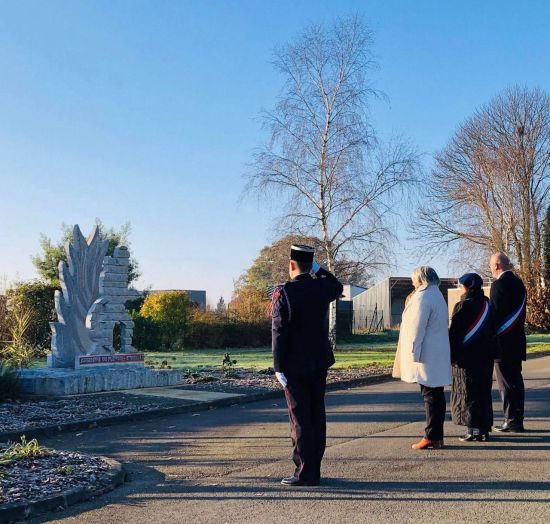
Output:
x=90 y=309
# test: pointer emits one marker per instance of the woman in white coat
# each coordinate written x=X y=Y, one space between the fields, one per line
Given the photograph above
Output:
x=423 y=351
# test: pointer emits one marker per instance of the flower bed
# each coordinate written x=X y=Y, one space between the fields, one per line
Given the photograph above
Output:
x=34 y=479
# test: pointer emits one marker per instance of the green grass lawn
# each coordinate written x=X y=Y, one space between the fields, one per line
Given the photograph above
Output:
x=355 y=351
x=538 y=344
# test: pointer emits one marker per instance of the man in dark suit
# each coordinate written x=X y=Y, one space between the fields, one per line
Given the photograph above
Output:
x=302 y=354
x=508 y=300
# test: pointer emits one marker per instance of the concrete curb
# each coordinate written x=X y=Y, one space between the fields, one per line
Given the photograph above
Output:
x=25 y=510
x=175 y=410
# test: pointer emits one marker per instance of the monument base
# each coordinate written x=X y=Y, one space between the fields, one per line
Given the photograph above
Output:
x=57 y=382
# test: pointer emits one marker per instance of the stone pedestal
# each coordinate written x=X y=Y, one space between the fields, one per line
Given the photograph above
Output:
x=61 y=382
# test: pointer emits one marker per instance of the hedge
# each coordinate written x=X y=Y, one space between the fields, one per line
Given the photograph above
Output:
x=222 y=333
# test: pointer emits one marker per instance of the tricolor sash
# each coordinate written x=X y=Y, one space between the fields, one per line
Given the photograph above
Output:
x=510 y=322
x=478 y=324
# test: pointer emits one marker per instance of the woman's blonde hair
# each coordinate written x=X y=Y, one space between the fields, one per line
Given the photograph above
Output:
x=426 y=275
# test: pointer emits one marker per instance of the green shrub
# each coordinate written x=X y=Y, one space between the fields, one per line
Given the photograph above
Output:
x=227 y=333
x=9 y=382
x=170 y=310
x=196 y=329
x=203 y=334
x=4 y=320
x=38 y=298
x=146 y=335
x=23 y=450
x=228 y=365
x=247 y=334
x=20 y=352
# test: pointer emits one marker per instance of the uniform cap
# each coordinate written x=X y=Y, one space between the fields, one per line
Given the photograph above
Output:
x=301 y=253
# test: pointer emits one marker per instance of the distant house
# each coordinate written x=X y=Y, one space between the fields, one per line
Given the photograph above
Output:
x=381 y=306
x=198 y=297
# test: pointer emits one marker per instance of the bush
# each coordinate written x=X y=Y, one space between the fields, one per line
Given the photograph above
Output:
x=4 y=320
x=146 y=336
x=205 y=330
x=9 y=382
x=247 y=334
x=249 y=304
x=19 y=352
x=227 y=333
x=24 y=449
x=204 y=334
x=170 y=310
x=38 y=298
x=193 y=328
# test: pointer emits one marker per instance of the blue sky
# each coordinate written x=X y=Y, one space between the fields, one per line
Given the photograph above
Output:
x=146 y=111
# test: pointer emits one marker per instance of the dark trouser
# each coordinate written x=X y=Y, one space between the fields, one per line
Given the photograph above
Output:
x=512 y=390
x=435 y=406
x=305 y=398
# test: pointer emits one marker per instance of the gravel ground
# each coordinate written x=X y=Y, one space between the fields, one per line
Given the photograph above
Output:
x=33 y=414
x=254 y=382
x=36 y=478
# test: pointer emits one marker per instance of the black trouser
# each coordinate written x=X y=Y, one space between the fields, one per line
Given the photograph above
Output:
x=435 y=406
x=305 y=398
x=512 y=390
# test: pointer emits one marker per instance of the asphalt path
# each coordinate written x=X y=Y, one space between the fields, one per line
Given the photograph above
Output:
x=225 y=465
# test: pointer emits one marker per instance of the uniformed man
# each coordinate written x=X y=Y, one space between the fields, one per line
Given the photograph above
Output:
x=302 y=355
x=508 y=300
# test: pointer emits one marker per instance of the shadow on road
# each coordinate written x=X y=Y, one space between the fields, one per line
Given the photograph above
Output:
x=159 y=443
x=334 y=489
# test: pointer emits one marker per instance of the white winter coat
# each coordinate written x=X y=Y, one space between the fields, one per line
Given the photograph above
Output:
x=423 y=351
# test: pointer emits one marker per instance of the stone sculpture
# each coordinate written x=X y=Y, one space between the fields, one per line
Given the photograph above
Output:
x=79 y=279
x=90 y=305
x=90 y=308
x=108 y=311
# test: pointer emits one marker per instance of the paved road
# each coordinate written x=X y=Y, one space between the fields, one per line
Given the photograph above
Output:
x=224 y=465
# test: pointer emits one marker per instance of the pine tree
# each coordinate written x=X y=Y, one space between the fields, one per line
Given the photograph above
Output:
x=221 y=308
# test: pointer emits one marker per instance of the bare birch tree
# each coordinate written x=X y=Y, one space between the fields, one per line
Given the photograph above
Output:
x=491 y=184
x=324 y=163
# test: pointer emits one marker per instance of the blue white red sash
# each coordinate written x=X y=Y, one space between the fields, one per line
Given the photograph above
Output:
x=478 y=324
x=510 y=322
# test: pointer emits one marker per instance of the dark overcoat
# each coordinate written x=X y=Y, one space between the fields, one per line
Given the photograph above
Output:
x=473 y=347
x=508 y=300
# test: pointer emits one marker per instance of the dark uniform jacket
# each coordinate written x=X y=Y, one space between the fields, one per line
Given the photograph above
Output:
x=508 y=299
x=473 y=348
x=300 y=339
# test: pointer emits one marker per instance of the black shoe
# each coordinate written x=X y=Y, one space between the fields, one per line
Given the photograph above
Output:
x=293 y=481
x=510 y=428
x=469 y=437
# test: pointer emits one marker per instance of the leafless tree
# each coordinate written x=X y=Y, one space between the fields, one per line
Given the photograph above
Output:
x=331 y=174
x=491 y=184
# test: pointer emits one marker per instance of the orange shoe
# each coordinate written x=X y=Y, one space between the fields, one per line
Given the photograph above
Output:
x=425 y=444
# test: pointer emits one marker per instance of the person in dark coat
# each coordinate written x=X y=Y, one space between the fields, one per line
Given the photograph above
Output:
x=302 y=354
x=472 y=338
x=508 y=301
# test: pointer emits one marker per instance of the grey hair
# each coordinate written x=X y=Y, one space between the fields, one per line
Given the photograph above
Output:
x=503 y=260
x=426 y=275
